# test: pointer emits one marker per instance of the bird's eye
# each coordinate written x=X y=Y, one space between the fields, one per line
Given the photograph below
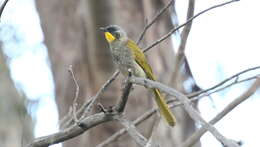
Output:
x=117 y=35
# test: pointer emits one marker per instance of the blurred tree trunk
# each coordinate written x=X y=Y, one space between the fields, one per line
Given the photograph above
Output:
x=16 y=127
x=72 y=35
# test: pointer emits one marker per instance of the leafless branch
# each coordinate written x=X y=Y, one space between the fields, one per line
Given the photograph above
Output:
x=233 y=83
x=2 y=8
x=85 y=123
x=132 y=131
x=148 y=25
x=87 y=105
x=73 y=130
x=186 y=103
x=192 y=97
x=74 y=106
x=122 y=101
x=184 y=36
x=224 y=81
x=182 y=25
x=195 y=136
x=100 y=91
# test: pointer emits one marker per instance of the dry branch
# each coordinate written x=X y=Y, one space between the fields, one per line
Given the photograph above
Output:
x=85 y=123
x=182 y=25
x=148 y=25
x=184 y=36
x=132 y=131
x=195 y=136
x=187 y=105
x=192 y=97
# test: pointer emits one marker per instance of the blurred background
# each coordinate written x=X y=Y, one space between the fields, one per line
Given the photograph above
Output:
x=40 y=39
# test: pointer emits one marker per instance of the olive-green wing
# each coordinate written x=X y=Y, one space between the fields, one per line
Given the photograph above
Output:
x=140 y=59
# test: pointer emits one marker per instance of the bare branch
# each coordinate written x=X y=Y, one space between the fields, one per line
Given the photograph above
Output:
x=224 y=81
x=184 y=36
x=195 y=136
x=73 y=130
x=100 y=91
x=132 y=130
x=150 y=112
x=2 y=8
x=74 y=106
x=182 y=25
x=233 y=83
x=148 y=25
x=87 y=105
x=186 y=103
x=122 y=101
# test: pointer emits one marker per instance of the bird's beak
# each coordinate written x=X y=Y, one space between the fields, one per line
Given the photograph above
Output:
x=103 y=29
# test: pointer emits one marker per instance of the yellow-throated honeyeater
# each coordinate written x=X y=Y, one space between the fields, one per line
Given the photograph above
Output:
x=127 y=55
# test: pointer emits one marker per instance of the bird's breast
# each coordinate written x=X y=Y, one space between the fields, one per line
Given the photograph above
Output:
x=124 y=60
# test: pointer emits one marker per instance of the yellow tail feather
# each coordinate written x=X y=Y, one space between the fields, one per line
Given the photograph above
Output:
x=164 y=109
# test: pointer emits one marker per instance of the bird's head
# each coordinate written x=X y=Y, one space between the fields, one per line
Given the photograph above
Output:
x=114 y=33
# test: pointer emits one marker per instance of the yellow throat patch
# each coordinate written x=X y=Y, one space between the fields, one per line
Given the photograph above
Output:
x=109 y=37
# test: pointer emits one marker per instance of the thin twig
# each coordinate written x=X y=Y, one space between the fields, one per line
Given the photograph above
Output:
x=74 y=106
x=182 y=25
x=2 y=8
x=148 y=25
x=195 y=136
x=224 y=81
x=100 y=91
x=235 y=82
x=85 y=108
x=178 y=60
x=187 y=106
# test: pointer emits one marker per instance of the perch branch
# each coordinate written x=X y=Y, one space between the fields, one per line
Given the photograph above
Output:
x=84 y=124
x=187 y=106
x=150 y=112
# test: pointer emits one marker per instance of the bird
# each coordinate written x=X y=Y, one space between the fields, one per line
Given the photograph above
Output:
x=127 y=56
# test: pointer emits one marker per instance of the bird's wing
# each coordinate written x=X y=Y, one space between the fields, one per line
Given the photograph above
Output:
x=140 y=59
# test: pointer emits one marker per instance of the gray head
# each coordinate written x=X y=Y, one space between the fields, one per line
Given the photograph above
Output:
x=114 y=33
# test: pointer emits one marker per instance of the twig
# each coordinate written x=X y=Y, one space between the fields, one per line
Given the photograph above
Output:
x=148 y=25
x=123 y=131
x=224 y=81
x=100 y=91
x=74 y=106
x=87 y=105
x=195 y=136
x=184 y=36
x=132 y=131
x=2 y=8
x=235 y=82
x=186 y=103
x=72 y=131
x=182 y=25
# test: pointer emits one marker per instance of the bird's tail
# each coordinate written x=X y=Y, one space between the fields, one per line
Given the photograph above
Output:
x=164 y=109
